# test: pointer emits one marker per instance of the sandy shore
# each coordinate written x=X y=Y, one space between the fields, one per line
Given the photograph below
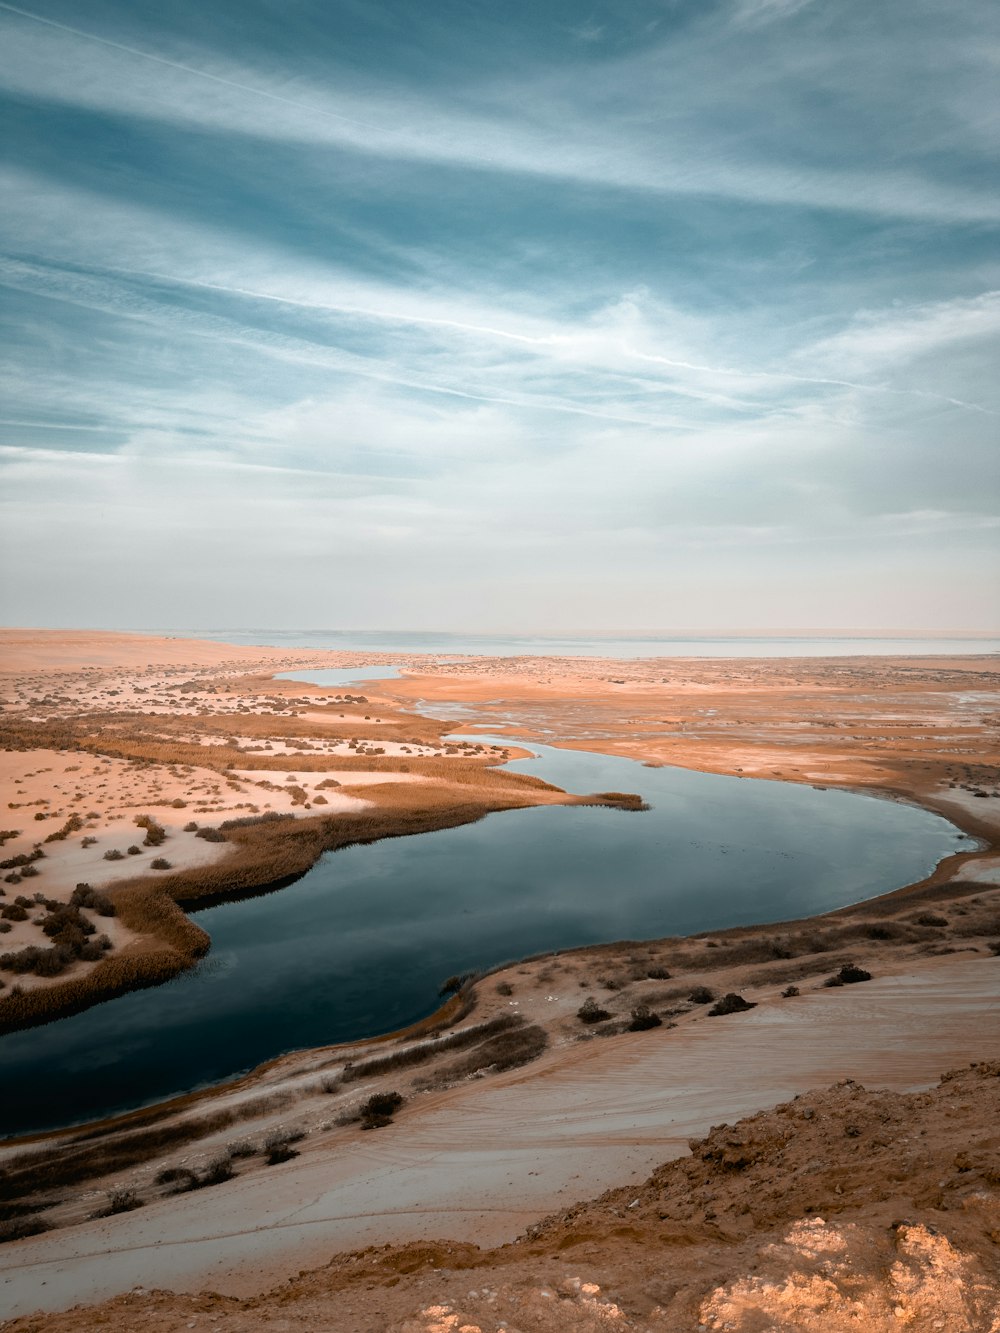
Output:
x=483 y=1162
x=103 y=735
x=482 y=1155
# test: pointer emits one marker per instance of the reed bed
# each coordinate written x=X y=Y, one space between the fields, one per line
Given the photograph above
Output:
x=64 y=1165
x=418 y=1055
x=264 y=856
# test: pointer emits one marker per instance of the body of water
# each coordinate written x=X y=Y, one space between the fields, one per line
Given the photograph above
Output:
x=361 y=944
x=339 y=676
x=490 y=645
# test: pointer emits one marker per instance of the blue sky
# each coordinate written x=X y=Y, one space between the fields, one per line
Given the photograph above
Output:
x=541 y=316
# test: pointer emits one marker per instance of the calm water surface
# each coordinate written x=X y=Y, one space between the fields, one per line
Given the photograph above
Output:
x=514 y=645
x=361 y=944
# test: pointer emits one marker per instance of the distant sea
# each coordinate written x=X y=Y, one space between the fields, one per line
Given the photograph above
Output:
x=406 y=642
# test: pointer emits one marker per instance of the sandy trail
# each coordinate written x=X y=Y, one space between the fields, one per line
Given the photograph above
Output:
x=484 y=1161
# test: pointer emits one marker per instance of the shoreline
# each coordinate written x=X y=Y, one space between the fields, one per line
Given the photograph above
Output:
x=527 y=1059
x=455 y=1007
x=948 y=870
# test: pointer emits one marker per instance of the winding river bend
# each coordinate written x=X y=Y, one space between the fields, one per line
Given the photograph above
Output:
x=361 y=944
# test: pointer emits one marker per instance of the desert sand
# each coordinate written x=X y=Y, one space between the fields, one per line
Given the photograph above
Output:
x=478 y=1153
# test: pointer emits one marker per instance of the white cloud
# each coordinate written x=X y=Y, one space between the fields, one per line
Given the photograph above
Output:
x=538 y=129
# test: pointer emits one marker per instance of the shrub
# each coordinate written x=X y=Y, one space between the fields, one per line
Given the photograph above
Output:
x=731 y=1004
x=591 y=1012
x=789 y=992
x=504 y=988
x=160 y=863
x=114 y=855
x=658 y=974
x=17 y=1228
x=242 y=1148
x=134 y=850
x=119 y=1201
x=72 y=825
x=701 y=995
x=211 y=835
x=190 y=826
x=277 y=1145
x=848 y=976
x=643 y=1018
x=216 y=1173
x=155 y=833
x=931 y=919
x=84 y=896
x=379 y=1109
x=281 y=1152
x=173 y=1175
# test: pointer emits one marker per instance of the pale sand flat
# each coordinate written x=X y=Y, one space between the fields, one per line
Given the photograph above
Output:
x=483 y=1161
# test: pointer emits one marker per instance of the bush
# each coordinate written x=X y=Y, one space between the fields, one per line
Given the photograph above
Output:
x=119 y=1201
x=848 y=976
x=701 y=995
x=174 y=1175
x=643 y=1018
x=114 y=855
x=731 y=1004
x=281 y=1152
x=379 y=1109
x=134 y=850
x=658 y=974
x=84 y=896
x=789 y=992
x=242 y=1148
x=216 y=1173
x=591 y=1012
x=160 y=863
x=277 y=1145
x=17 y=1228
x=211 y=835
x=155 y=833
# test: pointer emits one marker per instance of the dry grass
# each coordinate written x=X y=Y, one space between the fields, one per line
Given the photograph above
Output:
x=417 y=1055
x=264 y=856
x=507 y=1050
x=92 y=1157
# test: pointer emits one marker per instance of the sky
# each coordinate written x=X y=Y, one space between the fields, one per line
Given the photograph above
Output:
x=530 y=317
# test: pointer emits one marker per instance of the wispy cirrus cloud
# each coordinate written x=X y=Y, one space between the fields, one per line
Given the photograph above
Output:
x=699 y=314
x=541 y=129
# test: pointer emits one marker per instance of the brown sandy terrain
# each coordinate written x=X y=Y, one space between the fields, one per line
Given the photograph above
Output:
x=103 y=732
x=841 y=1211
x=480 y=1154
x=929 y=725
x=485 y=1157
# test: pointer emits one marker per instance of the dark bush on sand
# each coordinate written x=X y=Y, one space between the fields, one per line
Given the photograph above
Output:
x=643 y=1019
x=591 y=1012
x=847 y=976
x=731 y=1004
